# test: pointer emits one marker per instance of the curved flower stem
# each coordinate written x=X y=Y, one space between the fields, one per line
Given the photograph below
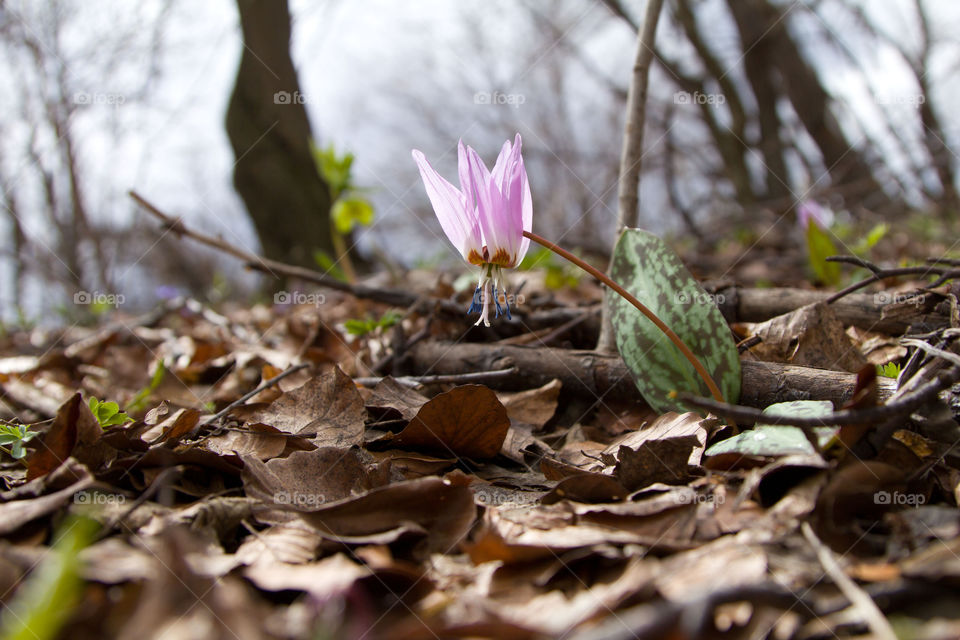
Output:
x=667 y=331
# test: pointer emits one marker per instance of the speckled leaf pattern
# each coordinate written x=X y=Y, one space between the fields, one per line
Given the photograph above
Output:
x=646 y=267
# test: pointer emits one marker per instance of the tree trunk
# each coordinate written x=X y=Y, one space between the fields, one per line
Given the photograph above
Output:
x=776 y=66
x=270 y=134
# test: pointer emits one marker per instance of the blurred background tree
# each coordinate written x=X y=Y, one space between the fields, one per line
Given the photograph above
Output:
x=274 y=172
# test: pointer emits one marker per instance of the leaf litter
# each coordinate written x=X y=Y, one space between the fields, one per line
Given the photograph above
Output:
x=320 y=507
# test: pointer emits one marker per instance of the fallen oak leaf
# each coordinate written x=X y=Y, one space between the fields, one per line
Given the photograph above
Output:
x=390 y=397
x=73 y=425
x=467 y=421
x=444 y=511
x=328 y=409
x=664 y=460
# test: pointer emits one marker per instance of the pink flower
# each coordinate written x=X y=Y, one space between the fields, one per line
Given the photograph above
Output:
x=809 y=210
x=485 y=218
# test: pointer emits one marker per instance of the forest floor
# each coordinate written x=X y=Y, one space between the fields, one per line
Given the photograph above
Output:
x=323 y=468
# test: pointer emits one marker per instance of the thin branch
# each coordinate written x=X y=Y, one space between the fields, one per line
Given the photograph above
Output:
x=276 y=269
x=632 y=153
x=902 y=406
x=856 y=261
x=458 y=378
x=869 y=611
x=940 y=353
x=880 y=273
x=266 y=384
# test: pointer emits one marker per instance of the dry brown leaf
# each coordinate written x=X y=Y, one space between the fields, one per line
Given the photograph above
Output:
x=466 y=421
x=307 y=480
x=811 y=336
x=175 y=427
x=558 y=614
x=443 y=511
x=15 y=514
x=533 y=407
x=389 y=396
x=655 y=461
x=260 y=440
x=73 y=424
x=327 y=409
x=587 y=487
x=329 y=577
x=167 y=605
x=288 y=543
x=668 y=425
x=724 y=563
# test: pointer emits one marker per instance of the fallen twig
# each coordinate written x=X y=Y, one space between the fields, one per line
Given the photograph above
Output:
x=901 y=406
x=880 y=273
x=458 y=378
x=869 y=611
x=266 y=384
x=395 y=297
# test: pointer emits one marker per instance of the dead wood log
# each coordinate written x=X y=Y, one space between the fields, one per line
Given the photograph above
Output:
x=862 y=310
x=605 y=376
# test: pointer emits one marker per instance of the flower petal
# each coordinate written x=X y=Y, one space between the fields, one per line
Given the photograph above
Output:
x=522 y=210
x=502 y=244
x=457 y=220
x=504 y=160
x=517 y=200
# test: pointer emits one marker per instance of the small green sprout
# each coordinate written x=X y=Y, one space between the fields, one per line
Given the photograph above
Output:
x=108 y=414
x=348 y=209
x=51 y=593
x=13 y=437
x=558 y=274
x=889 y=370
x=140 y=400
x=356 y=327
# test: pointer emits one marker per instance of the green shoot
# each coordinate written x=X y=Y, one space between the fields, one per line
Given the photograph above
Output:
x=349 y=208
x=889 y=370
x=13 y=437
x=108 y=414
x=357 y=327
x=140 y=400
x=559 y=274
x=52 y=591
x=328 y=266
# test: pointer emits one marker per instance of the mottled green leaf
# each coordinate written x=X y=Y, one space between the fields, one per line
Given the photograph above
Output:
x=646 y=267
x=769 y=440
